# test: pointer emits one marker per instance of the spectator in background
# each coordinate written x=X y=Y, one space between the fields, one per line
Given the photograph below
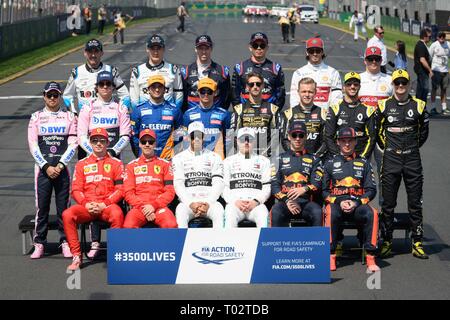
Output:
x=400 y=61
x=439 y=53
x=422 y=66
x=283 y=21
x=358 y=20
x=294 y=19
x=182 y=13
x=120 y=25
x=87 y=15
x=101 y=17
x=378 y=41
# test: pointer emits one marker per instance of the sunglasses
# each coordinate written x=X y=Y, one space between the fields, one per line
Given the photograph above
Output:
x=103 y=84
x=147 y=141
x=252 y=84
x=296 y=135
x=156 y=85
x=246 y=139
x=352 y=83
x=194 y=135
x=52 y=95
x=205 y=91
x=382 y=32
x=259 y=46
x=315 y=51
x=97 y=140
x=401 y=82
x=372 y=59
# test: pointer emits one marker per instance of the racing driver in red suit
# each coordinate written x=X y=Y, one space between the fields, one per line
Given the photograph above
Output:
x=149 y=187
x=97 y=188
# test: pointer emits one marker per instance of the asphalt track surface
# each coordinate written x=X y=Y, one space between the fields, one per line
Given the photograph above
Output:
x=402 y=277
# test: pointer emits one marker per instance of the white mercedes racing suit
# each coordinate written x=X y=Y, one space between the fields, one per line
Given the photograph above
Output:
x=246 y=179
x=328 y=82
x=139 y=87
x=81 y=84
x=374 y=87
x=198 y=178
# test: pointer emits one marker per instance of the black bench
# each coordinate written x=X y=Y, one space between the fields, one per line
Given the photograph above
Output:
x=26 y=226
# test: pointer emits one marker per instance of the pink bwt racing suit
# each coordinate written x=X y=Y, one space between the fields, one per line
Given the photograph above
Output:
x=52 y=138
x=109 y=115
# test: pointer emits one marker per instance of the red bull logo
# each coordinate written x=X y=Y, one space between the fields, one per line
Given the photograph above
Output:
x=296 y=177
x=348 y=182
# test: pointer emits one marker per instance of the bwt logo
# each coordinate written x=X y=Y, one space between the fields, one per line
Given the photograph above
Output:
x=45 y=130
x=217 y=255
x=98 y=120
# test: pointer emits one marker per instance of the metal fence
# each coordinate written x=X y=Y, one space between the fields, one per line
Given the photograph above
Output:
x=12 y=11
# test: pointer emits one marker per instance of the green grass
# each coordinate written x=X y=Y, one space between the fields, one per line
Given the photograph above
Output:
x=390 y=35
x=26 y=60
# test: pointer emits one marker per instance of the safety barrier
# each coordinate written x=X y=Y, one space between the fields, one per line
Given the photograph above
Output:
x=31 y=34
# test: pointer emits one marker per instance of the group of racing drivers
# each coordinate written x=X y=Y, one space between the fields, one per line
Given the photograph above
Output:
x=225 y=149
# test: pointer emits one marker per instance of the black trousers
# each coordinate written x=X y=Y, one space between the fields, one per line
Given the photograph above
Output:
x=394 y=168
x=181 y=26
x=101 y=26
x=364 y=216
x=311 y=212
x=44 y=187
x=292 y=31
x=88 y=26
x=285 y=32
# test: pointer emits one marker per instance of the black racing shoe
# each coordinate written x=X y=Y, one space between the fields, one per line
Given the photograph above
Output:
x=386 y=249
x=417 y=250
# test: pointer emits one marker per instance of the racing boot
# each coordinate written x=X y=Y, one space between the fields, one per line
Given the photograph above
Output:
x=95 y=246
x=417 y=250
x=38 y=251
x=386 y=249
x=332 y=262
x=66 y=250
x=76 y=263
x=371 y=264
x=339 y=249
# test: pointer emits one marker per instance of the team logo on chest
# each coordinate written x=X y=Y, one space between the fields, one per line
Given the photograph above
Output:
x=92 y=168
x=157 y=169
x=107 y=167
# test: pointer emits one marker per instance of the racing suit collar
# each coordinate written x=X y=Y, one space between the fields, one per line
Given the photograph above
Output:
x=306 y=109
x=257 y=63
x=92 y=70
x=297 y=154
x=317 y=66
x=402 y=103
x=348 y=158
x=144 y=159
x=46 y=109
x=154 y=104
x=242 y=155
x=156 y=67
x=94 y=157
x=206 y=109
x=375 y=76
x=351 y=105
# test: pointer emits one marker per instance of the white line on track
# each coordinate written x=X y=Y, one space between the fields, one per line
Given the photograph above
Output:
x=78 y=63
x=20 y=97
x=43 y=81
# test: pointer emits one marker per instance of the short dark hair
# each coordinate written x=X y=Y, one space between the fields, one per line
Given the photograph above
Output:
x=425 y=32
x=442 y=34
x=378 y=28
x=254 y=74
